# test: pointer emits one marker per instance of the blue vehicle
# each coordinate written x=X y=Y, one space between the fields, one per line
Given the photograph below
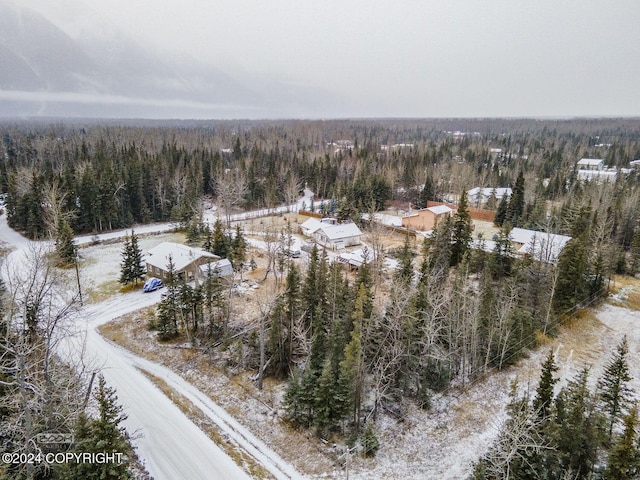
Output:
x=152 y=284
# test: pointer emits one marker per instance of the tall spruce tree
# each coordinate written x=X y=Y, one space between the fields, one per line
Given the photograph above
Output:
x=501 y=212
x=515 y=210
x=571 y=286
x=238 y=250
x=220 y=241
x=352 y=366
x=578 y=427
x=66 y=249
x=623 y=462
x=613 y=387
x=168 y=308
x=131 y=268
x=543 y=400
x=461 y=231
x=404 y=272
x=207 y=243
x=104 y=434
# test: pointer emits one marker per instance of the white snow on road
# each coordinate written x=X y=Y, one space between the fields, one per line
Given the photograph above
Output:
x=170 y=445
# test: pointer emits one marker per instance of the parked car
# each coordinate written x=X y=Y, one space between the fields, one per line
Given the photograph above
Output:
x=152 y=284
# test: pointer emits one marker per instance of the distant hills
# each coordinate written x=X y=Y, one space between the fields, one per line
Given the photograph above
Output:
x=44 y=71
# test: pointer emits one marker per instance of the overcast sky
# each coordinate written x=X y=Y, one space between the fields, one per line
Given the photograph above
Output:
x=419 y=58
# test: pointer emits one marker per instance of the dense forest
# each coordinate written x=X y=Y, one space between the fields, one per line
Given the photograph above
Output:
x=351 y=346
x=101 y=176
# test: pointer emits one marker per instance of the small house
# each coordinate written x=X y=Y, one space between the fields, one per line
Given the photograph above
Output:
x=427 y=218
x=353 y=260
x=480 y=196
x=338 y=236
x=591 y=164
x=542 y=246
x=220 y=268
x=186 y=260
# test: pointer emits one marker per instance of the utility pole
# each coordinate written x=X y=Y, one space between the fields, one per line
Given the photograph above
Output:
x=78 y=278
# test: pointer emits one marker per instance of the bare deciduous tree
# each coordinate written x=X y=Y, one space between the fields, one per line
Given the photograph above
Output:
x=231 y=188
x=41 y=389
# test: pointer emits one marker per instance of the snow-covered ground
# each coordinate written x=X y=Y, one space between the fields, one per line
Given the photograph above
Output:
x=170 y=444
x=445 y=442
x=439 y=444
x=118 y=234
x=210 y=215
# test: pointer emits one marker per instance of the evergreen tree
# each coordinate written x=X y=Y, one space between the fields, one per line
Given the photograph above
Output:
x=578 y=428
x=207 y=243
x=103 y=434
x=623 y=462
x=283 y=322
x=492 y=201
x=461 y=231
x=131 y=268
x=543 y=400
x=571 y=285
x=501 y=213
x=437 y=253
x=404 y=272
x=193 y=232
x=168 y=308
x=427 y=193
x=238 y=249
x=613 y=387
x=329 y=405
x=220 y=242
x=369 y=441
x=502 y=255
x=516 y=202
x=214 y=302
x=66 y=249
x=352 y=366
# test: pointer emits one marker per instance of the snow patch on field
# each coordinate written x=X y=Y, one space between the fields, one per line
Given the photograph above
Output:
x=100 y=264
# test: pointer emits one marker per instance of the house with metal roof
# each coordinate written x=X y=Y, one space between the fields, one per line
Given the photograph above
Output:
x=541 y=246
x=427 y=218
x=479 y=196
x=219 y=268
x=338 y=236
x=591 y=164
x=186 y=260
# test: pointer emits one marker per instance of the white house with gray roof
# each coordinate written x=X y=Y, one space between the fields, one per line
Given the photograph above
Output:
x=338 y=236
x=542 y=246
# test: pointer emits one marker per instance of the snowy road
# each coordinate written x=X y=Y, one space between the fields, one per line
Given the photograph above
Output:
x=152 y=413
x=171 y=446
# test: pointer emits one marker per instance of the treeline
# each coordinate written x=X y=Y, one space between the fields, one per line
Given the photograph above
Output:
x=579 y=433
x=100 y=177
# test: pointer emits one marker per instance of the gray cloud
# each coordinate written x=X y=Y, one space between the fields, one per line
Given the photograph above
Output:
x=400 y=58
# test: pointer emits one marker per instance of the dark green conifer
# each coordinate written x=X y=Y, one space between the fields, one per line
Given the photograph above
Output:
x=623 y=462
x=131 y=268
x=66 y=249
x=613 y=387
x=543 y=400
